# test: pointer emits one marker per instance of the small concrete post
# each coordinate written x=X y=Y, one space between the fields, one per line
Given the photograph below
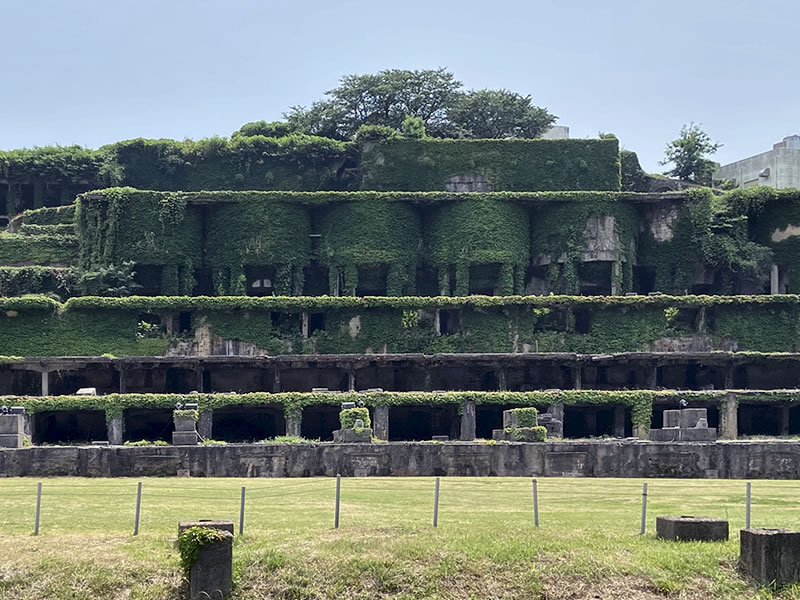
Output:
x=774 y=280
x=468 y=421
x=619 y=421
x=294 y=424
x=729 y=421
x=114 y=431
x=770 y=556
x=211 y=575
x=380 y=422
x=205 y=424
x=45 y=383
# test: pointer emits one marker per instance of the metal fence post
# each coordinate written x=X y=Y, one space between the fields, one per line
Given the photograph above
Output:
x=644 y=507
x=747 y=509
x=138 y=508
x=338 y=494
x=38 y=507
x=535 y=503
x=241 y=513
x=436 y=504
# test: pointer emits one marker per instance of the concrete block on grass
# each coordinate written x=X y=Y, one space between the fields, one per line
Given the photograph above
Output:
x=770 y=556
x=691 y=529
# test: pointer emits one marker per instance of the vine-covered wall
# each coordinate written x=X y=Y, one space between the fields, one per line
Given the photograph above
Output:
x=507 y=165
x=143 y=326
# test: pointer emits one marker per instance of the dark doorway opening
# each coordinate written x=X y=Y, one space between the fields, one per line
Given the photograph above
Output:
x=69 y=426
x=758 y=419
x=489 y=417
x=319 y=422
x=416 y=423
x=150 y=424
x=242 y=424
x=588 y=421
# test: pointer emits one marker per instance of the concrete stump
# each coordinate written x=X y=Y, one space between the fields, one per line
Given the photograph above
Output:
x=212 y=573
x=184 y=438
x=207 y=523
x=770 y=556
x=691 y=529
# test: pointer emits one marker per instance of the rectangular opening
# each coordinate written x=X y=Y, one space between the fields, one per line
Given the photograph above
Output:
x=316 y=322
x=483 y=279
x=583 y=321
x=243 y=424
x=184 y=322
x=417 y=423
x=150 y=424
x=319 y=422
x=149 y=278
x=449 y=321
x=595 y=278
x=316 y=280
x=260 y=280
x=372 y=280
x=69 y=426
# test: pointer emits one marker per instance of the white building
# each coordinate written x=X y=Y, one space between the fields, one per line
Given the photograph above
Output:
x=778 y=168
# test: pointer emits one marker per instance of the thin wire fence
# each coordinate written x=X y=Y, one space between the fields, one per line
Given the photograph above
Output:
x=124 y=506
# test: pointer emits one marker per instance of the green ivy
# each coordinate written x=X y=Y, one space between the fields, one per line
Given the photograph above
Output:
x=192 y=540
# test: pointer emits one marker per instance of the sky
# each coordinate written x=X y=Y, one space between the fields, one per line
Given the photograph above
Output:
x=92 y=72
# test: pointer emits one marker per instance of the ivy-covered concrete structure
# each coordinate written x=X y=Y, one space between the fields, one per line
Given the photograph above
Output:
x=277 y=277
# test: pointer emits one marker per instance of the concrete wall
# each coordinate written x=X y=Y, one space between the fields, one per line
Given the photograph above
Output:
x=738 y=460
x=783 y=162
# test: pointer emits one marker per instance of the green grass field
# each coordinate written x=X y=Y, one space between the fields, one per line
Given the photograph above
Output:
x=486 y=546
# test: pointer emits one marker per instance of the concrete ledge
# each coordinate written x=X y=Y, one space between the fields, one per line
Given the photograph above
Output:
x=735 y=460
x=691 y=529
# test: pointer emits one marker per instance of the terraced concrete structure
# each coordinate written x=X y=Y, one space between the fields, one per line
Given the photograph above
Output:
x=292 y=276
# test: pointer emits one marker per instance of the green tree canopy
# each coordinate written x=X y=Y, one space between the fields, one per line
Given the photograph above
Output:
x=689 y=154
x=433 y=96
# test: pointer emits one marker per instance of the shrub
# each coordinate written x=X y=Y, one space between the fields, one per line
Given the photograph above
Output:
x=527 y=417
x=348 y=417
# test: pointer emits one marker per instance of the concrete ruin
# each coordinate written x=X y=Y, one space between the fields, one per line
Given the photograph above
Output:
x=691 y=529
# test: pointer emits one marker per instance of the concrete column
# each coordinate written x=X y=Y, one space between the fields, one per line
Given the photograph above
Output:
x=785 y=420
x=114 y=429
x=729 y=372
x=428 y=385
x=351 y=379
x=557 y=410
x=641 y=431
x=728 y=418
x=294 y=424
x=774 y=280
x=45 y=383
x=619 y=421
x=27 y=425
x=576 y=378
x=276 y=381
x=502 y=384
x=652 y=378
x=205 y=424
x=199 y=380
x=304 y=324
x=123 y=381
x=380 y=422
x=591 y=421
x=468 y=422
x=615 y=277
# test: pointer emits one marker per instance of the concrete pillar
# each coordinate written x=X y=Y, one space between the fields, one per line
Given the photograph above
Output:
x=652 y=378
x=351 y=379
x=619 y=421
x=641 y=431
x=616 y=268
x=576 y=378
x=211 y=575
x=785 y=420
x=502 y=384
x=591 y=421
x=728 y=418
x=428 y=385
x=205 y=424
x=380 y=422
x=114 y=429
x=276 y=381
x=557 y=410
x=774 y=280
x=729 y=373
x=199 y=382
x=294 y=424
x=27 y=425
x=468 y=421
x=305 y=324
x=123 y=381
x=45 y=383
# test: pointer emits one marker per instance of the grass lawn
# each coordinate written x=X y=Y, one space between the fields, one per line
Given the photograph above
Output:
x=486 y=546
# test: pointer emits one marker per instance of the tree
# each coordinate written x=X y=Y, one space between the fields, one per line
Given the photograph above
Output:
x=499 y=114
x=433 y=96
x=273 y=129
x=688 y=153
x=384 y=98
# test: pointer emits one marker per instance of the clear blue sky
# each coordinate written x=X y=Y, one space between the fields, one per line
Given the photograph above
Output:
x=96 y=71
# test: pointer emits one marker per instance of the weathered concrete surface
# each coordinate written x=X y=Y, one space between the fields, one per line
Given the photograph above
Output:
x=736 y=460
x=691 y=529
x=770 y=556
x=211 y=575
